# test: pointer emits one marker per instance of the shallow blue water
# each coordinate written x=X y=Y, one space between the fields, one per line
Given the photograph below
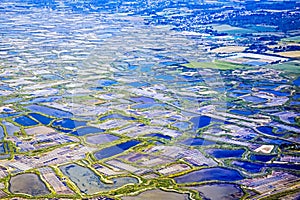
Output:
x=272 y=141
x=254 y=99
x=278 y=93
x=249 y=166
x=148 y=105
x=285 y=166
x=138 y=84
x=142 y=99
x=101 y=138
x=253 y=167
x=197 y=142
x=181 y=125
x=268 y=130
x=107 y=82
x=1 y=133
x=165 y=77
x=25 y=121
x=12 y=100
x=220 y=191
x=96 y=88
x=200 y=122
x=88 y=182
x=68 y=123
x=116 y=116
x=244 y=112
x=5 y=115
x=225 y=153
x=294 y=103
x=114 y=150
x=297 y=81
x=158 y=135
x=261 y=158
x=42 y=100
x=87 y=130
x=209 y=174
x=49 y=111
x=41 y=118
x=10 y=128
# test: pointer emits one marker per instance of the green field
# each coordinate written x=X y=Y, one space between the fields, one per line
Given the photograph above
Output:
x=292 y=39
x=289 y=67
x=262 y=28
x=221 y=65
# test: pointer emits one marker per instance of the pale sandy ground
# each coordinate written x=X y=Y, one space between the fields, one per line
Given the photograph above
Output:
x=290 y=54
x=157 y=195
x=229 y=49
x=264 y=149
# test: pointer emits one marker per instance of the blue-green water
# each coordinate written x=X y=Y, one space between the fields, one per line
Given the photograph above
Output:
x=209 y=174
x=29 y=184
x=89 y=183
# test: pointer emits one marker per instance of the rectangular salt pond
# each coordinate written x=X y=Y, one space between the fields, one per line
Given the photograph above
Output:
x=49 y=111
x=88 y=182
x=101 y=138
x=114 y=150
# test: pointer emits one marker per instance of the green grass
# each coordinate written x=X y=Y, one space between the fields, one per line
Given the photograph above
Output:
x=262 y=28
x=292 y=39
x=289 y=67
x=221 y=65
